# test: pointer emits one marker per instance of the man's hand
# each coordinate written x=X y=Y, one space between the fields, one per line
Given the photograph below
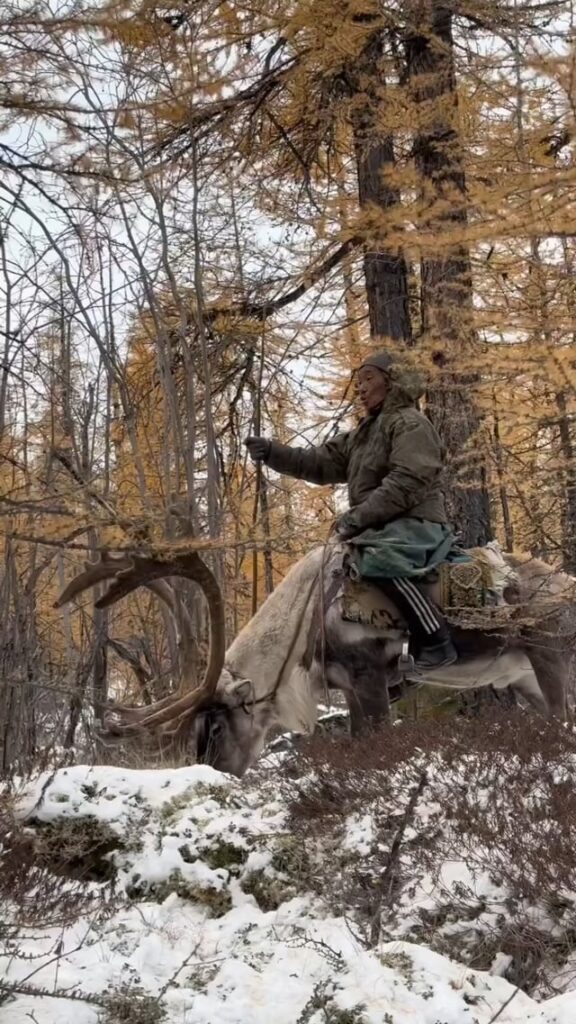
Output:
x=344 y=529
x=258 y=448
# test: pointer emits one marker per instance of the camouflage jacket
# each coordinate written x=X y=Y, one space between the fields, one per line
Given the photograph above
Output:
x=392 y=463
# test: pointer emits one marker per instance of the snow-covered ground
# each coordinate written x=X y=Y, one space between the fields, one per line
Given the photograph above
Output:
x=215 y=912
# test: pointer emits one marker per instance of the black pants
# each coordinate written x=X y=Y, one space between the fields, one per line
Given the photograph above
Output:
x=425 y=621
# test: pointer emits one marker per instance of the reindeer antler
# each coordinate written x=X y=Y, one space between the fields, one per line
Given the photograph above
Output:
x=109 y=567
x=127 y=573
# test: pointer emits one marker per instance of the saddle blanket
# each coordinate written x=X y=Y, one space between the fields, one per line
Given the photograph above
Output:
x=457 y=587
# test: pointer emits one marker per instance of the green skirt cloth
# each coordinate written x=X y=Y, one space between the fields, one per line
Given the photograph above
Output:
x=404 y=547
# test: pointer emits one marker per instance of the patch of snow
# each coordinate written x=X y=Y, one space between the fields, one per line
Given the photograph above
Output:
x=191 y=927
x=359 y=834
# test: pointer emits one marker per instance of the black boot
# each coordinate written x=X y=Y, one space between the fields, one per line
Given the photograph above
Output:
x=427 y=625
x=438 y=654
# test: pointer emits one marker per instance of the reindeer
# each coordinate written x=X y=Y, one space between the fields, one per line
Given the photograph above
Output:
x=298 y=646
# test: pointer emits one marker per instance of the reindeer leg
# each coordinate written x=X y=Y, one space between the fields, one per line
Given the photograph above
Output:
x=364 y=690
x=356 y=661
x=551 y=670
x=368 y=704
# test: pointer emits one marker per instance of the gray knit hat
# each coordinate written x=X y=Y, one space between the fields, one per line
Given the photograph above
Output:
x=403 y=377
x=380 y=360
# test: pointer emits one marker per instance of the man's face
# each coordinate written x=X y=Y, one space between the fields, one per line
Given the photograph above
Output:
x=372 y=386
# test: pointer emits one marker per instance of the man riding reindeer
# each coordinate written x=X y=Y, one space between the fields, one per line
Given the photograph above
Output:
x=396 y=525
x=272 y=675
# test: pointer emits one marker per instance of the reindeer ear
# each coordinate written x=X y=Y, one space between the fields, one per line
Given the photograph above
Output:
x=243 y=690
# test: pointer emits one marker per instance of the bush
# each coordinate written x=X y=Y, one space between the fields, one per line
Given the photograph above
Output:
x=129 y=1005
x=28 y=885
x=495 y=794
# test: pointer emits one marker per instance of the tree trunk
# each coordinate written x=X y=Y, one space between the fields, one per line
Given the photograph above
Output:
x=385 y=270
x=569 y=509
x=502 y=489
x=446 y=279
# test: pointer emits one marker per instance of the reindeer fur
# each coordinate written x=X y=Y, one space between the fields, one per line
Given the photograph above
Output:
x=270 y=648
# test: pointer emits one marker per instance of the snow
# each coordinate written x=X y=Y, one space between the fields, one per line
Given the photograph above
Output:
x=211 y=915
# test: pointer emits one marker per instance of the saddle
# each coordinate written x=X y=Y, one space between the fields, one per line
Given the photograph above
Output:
x=471 y=594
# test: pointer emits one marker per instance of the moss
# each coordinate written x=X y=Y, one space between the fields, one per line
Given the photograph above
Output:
x=290 y=857
x=268 y=891
x=221 y=855
x=399 y=962
x=129 y=1005
x=77 y=847
x=90 y=790
x=322 y=1002
x=172 y=809
x=282 y=879
x=201 y=976
x=218 y=901
x=221 y=795
x=224 y=855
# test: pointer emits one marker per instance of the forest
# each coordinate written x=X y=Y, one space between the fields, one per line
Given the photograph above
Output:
x=210 y=214
x=211 y=211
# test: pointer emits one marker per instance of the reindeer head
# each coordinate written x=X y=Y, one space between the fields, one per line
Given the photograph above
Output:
x=231 y=730
x=220 y=716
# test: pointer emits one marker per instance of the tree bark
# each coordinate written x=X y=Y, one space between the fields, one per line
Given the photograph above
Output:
x=502 y=489
x=385 y=270
x=446 y=278
x=569 y=509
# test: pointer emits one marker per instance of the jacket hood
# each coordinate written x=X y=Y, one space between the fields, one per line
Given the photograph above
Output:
x=407 y=384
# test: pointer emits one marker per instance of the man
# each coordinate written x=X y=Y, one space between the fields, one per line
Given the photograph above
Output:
x=396 y=524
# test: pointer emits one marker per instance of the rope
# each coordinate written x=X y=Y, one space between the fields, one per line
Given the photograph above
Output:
x=323 y=620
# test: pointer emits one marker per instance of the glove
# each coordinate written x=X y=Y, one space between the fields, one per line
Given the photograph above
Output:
x=258 y=448
x=344 y=529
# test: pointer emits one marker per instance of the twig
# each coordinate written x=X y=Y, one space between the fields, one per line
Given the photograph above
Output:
x=200 y=545
x=173 y=977
x=388 y=875
x=504 y=1006
x=23 y=988
x=7 y=989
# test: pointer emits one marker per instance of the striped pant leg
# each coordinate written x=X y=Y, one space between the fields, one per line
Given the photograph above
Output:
x=421 y=607
x=425 y=621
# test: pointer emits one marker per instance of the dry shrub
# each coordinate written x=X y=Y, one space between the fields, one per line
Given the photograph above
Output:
x=527 y=753
x=76 y=847
x=518 y=733
x=130 y=1005
x=503 y=791
x=30 y=892
x=43 y=874
x=536 y=955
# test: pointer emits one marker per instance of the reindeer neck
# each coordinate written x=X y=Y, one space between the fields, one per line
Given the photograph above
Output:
x=269 y=646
